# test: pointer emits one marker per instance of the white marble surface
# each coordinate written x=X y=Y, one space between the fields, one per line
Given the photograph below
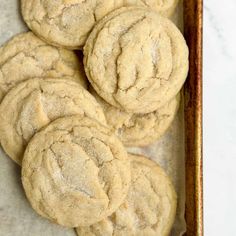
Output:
x=220 y=117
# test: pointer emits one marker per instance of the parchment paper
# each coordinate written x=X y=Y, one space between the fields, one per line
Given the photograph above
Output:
x=17 y=218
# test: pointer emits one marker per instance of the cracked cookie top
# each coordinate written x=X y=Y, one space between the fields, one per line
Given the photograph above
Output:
x=26 y=56
x=149 y=208
x=34 y=103
x=139 y=129
x=75 y=172
x=65 y=23
x=136 y=59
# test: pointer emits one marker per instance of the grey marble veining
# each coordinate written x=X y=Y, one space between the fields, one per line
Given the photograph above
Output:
x=220 y=117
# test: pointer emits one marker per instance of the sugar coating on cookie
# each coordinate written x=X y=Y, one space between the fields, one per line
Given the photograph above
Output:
x=65 y=23
x=149 y=208
x=34 y=103
x=136 y=59
x=25 y=56
x=163 y=7
x=139 y=129
x=75 y=172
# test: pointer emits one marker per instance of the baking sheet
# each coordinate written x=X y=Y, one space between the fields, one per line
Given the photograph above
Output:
x=16 y=216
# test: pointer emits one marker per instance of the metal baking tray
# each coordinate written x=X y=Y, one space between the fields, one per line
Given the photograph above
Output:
x=21 y=213
x=193 y=12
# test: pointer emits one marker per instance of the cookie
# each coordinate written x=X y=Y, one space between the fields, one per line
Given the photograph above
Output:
x=68 y=23
x=136 y=59
x=26 y=56
x=34 y=103
x=149 y=208
x=165 y=8
x=75 y=172
x=139 y=129
x=65 y=23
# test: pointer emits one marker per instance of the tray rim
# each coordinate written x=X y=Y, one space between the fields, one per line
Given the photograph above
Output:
x=193 y=24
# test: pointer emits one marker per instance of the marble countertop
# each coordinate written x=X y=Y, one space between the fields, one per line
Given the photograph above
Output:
x=220 y=117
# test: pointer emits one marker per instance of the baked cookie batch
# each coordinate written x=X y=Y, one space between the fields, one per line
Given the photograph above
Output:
x=70 y=134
